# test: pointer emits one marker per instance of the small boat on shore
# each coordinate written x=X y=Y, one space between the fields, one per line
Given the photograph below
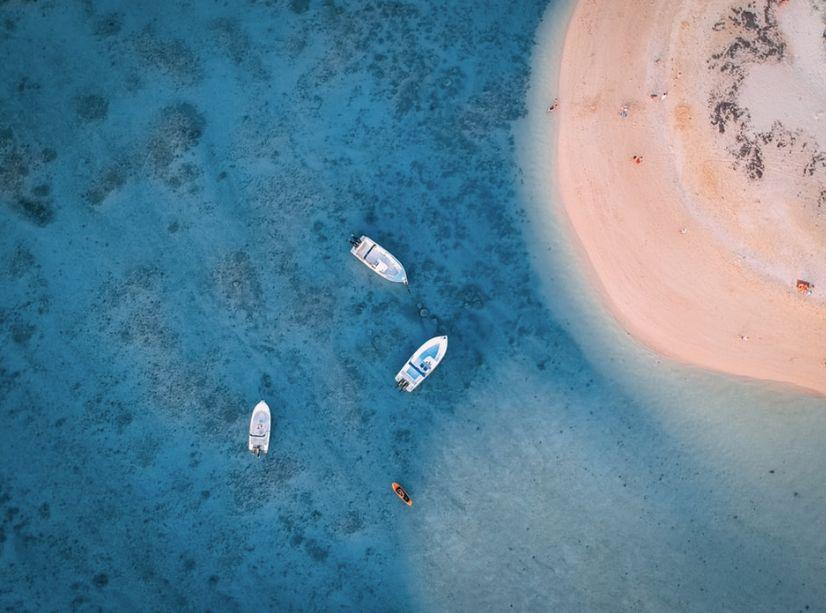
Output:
x=421 y=363
x=378 y=259
x=259 y=441
x=401 y=493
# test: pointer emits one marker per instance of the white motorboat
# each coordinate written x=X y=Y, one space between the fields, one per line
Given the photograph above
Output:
x=378 y=259
x=421 y=363
x=260 y=429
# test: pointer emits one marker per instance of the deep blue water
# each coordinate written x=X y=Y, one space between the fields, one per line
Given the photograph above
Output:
x=177 y=185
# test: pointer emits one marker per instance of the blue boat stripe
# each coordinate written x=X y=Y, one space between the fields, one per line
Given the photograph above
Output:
x=373 y=246
x=416 y=369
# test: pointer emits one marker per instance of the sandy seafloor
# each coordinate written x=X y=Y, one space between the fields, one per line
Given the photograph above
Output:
x=177 y=186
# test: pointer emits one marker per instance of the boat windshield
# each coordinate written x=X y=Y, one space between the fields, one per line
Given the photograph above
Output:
x=431 y=352
x=379 y=260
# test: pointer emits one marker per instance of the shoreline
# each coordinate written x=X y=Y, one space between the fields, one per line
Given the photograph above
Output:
x=673 y=266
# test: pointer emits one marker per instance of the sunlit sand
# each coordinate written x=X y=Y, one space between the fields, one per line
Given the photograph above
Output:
x=691 y=165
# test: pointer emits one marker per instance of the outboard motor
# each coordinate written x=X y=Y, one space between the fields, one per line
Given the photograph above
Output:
x=354 y=240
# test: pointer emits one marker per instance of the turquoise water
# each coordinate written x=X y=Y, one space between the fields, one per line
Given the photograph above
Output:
x=177 y=186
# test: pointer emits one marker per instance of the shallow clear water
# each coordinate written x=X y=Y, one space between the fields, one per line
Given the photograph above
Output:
x=178 y=185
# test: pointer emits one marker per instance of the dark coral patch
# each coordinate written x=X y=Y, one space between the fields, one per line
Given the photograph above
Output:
x=299 y=6
x=107 y=25
x=39 y=212
x=170 y=57
x=91 y=107
x=178 y=129
x=100 y=580
x=101 y=188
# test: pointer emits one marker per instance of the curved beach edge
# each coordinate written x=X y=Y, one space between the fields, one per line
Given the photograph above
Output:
x=672 y=270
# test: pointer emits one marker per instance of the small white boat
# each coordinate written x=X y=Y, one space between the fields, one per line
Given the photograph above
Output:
x=378 y=259
x=260 y=429
x=421 y=363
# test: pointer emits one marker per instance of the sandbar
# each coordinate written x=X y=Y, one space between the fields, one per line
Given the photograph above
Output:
x=691 y=161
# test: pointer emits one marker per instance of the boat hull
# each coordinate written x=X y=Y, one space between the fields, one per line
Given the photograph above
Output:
x=421 y=364
x=402 y=494
x=378 y=259
x=260 y=423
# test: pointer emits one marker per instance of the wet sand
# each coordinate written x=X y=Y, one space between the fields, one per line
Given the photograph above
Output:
x=695 y=186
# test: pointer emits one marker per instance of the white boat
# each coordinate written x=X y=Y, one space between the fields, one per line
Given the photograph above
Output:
x=421 y=363
x=260 y=429
x=378 y=259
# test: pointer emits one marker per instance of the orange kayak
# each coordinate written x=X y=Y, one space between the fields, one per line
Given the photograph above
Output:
x=401 y=493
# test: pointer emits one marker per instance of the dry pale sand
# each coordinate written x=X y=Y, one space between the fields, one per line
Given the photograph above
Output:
x=699 y=245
